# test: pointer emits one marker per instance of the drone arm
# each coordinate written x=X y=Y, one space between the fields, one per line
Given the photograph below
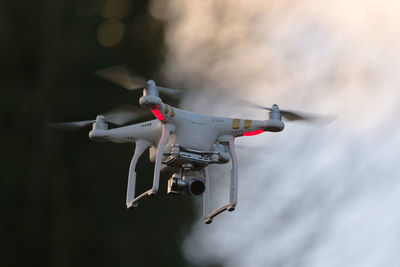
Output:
x=233 y=192
x=141 y=146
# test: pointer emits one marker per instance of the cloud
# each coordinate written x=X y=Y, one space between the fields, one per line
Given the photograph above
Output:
x=315 y=196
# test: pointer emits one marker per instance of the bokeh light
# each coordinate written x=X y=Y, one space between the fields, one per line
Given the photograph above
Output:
x=110 y=33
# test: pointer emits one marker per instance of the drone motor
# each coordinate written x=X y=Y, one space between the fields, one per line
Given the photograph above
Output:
x=100 y=123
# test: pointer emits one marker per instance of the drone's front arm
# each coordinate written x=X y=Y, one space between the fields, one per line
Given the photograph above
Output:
x=148 y=130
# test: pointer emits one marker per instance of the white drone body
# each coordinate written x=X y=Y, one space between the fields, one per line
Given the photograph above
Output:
x=184 y=143
x=181 y=143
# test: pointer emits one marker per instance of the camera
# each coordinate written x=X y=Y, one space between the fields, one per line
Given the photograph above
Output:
x=186 y=184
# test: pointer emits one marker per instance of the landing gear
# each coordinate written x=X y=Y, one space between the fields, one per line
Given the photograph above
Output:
x=131 y=201
x=233 y=192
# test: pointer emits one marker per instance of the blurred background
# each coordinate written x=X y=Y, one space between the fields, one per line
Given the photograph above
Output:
x=308 y=196
x=61 y=196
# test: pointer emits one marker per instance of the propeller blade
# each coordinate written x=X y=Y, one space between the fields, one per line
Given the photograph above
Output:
x=249 y=104
x=124 y=114
x=290 y=115
x=125 y=78
x=122 y=76
x=70 y=125
x=307 y=117
x=296 y=116
x=119 y=116
x=170 y=91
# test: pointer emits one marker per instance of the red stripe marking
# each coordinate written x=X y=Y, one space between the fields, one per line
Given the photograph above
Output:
x=252 y=133
x=158 y=114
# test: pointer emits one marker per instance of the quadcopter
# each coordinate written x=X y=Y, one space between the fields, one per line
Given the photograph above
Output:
x=181 y=143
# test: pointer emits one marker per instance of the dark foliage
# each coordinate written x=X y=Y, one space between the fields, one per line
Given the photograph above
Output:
x=61 y=196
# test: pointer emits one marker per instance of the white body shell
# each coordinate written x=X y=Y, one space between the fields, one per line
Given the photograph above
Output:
x=191 y=130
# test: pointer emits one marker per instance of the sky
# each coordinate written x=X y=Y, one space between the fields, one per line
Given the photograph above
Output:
x=309 y=196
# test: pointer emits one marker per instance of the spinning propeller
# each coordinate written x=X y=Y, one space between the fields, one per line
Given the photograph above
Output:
x=301 y=116
x=288 y=115
x=122 y=76
x=119 y=116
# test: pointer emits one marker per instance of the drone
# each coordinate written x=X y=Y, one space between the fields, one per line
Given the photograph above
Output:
x=181 y=143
